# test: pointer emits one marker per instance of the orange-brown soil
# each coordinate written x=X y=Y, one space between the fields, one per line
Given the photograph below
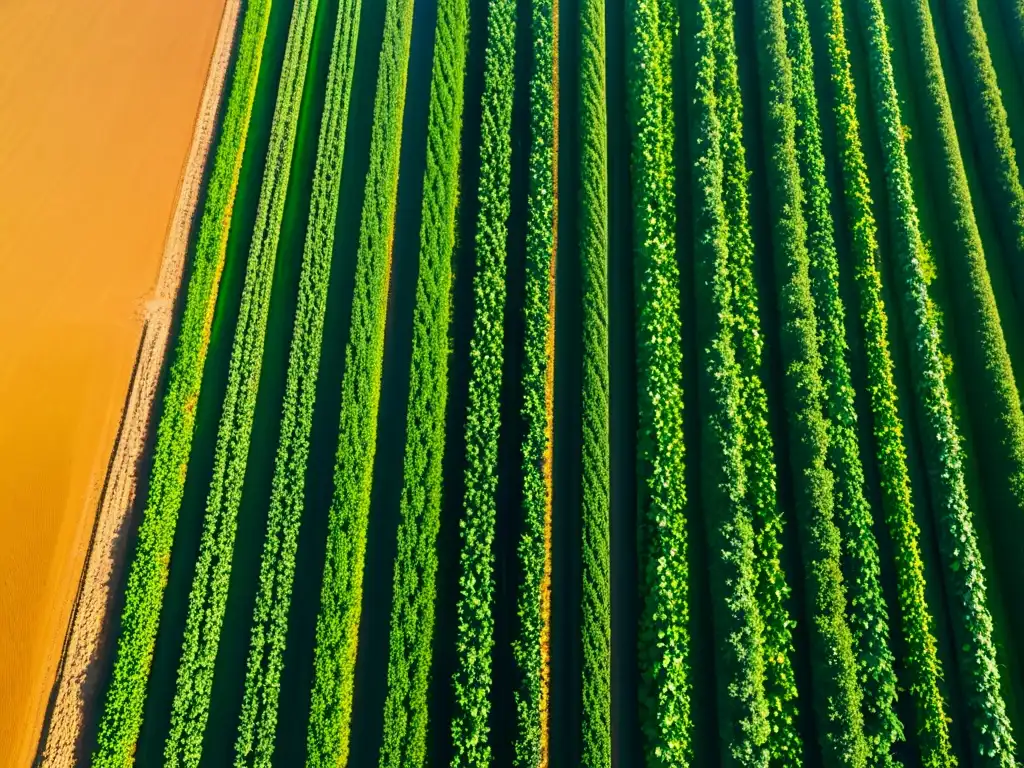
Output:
x=98 y=100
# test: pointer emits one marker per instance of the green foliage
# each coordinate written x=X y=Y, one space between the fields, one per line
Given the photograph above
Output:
x=258 y=721
x=1013 y=18
x=991 y=126
x=596 y=462
x=922 y=664
x=337 y=626
x=475 y=637
x=530 y=648
x=664 y=629
x=412 y=612
x=784 y=744
x=869 y=615
x=958 y=544
x=209 y=594
x=834 y=668
x=739 y=645
x=122 y=713
x=999 y=402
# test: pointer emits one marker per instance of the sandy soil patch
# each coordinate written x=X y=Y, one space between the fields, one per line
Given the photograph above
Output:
x=98 y=99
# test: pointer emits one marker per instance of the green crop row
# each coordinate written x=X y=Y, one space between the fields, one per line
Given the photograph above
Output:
x=595 y=501
x=531 y=647
x=209 y=593
x=833 y=665
x=258 y=719
x=963 y=570
x=475 y=633
x=122 y=713
x=991 y=126
x=868 y=613
x=999 y=405
x=739 y=642
x=412 y=612
x=1013 y=17
x=785 y=747
x=922 y=663
x=665 y=705
x=341 y=595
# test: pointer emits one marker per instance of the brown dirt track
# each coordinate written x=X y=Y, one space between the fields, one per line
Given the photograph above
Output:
x=98 y=102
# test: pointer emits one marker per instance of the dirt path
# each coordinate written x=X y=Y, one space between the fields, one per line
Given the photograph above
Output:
x=75 y=689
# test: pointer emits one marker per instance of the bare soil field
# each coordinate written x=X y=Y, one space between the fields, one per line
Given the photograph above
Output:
x=98 y=101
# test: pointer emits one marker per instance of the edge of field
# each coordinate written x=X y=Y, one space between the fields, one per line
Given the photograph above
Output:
x=76 y=684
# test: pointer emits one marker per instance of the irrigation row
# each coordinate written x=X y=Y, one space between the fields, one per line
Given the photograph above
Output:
x=665 y=706
x=531 y=648
x=991 y=126
x=921 y=661
x=208 y=596
x=596 y=449
x=784 y=744
x=963 y=571
x=337 y=628
x=258 y=720
x=868 y=612
x=475 y=634
x=998 y=397
x=412 y=612
x=837 y=692
x=739 y=635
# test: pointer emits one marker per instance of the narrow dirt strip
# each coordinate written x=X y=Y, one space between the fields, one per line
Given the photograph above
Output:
x=549 y=401
x=76 y=685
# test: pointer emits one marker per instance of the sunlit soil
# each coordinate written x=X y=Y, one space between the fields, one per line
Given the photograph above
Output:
x=97 y=104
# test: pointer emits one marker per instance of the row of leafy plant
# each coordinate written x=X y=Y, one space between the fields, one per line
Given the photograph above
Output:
x=837 y=692
x=337 y=626
x=258 y=719
x=995 y=399
x=992 y=129
x=738 y=629
x=868 y=613
x=990 y=730
x=531 y=648
x=921 y=660
x=784 y=745
x=595 y=497
x=664 y=641
x=122 y=712
x=1013 y=18
x=475 y=630
x=998 y=396
x=209 y=593
x=412 y=611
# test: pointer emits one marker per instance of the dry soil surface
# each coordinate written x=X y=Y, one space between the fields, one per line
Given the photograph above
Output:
x=98 y=99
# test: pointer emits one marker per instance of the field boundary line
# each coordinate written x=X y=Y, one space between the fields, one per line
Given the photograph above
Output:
x=76 y=686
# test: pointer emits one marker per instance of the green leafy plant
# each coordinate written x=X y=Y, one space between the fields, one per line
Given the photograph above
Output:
x=147 y=577
x=258 y=720
x=837 y=693
x=785 y=747
x=921 y=661
x=869 y=615
x=958 y=544
x=412 y=612
x=664 y=625
x=475 y=635
x=341 y=594
x=596 y=463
